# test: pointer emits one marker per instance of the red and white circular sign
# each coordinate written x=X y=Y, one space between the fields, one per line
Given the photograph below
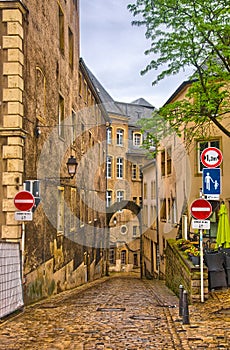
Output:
x=24 y=201
x=201 y=209
x=211 y=157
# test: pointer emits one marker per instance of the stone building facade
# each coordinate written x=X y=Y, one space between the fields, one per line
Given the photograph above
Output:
x=46 y=100
x=172 y=182
x=125 y=156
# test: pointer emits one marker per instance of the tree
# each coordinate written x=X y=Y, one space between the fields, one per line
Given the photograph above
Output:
x=190 y=33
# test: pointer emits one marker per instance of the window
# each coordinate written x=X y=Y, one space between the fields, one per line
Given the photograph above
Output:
x=60 y=210
x=137 y=139
x=123 y=229
x=140 y=201
x=166 y=161
x=135 y=200
x=112 y=256
x=71 y=49
x=82 y=208
x=73 y=209
x=120 y=137
x=109 y=136
x=169 y=160
x=109 y=167
x=109 y=198
x=74 y=125
x=201 y=146
x=135 y=259
x=140 y=172
x=80 y=84
x=153 y=189
x=134 y=231
x=145 y=190
x=120 y=196
x=123 y=257
x=163 y=210
x=145 y=215
x=61 y=117
x=61 y=31
x=119 y=168
x=134 y=171
x=163 y=163
x=33 y=186
x=152 y=214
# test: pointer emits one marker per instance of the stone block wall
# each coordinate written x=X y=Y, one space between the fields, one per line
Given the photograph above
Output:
x=181 y=271
x=11 y=133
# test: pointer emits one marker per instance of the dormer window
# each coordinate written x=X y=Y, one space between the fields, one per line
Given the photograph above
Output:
x=137 y=139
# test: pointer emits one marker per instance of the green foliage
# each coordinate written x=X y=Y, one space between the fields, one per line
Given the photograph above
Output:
x=190 y=33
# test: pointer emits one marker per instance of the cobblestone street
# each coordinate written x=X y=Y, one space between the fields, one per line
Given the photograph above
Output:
x=121 y=312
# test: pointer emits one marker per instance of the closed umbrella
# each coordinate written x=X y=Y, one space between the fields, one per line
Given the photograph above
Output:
x=223 y=229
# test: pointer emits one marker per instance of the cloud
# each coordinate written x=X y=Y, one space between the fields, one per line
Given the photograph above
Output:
x=113 y=49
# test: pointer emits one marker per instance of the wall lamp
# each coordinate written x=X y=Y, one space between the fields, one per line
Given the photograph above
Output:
x=72 y=166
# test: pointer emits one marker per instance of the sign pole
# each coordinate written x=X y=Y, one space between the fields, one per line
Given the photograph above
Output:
x=23 y=249
x=201 y=267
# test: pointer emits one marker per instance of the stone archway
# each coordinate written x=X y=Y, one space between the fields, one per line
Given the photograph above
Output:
x=135 y=209
x=130 y=205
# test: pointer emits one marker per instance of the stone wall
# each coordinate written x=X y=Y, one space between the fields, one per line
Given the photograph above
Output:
x=181 y=271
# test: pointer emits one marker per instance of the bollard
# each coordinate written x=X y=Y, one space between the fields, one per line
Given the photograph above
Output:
x=185 y=308
x=181 y=289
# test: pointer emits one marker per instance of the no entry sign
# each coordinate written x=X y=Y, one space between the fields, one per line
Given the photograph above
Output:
x=201 y=209
x=211 y=157
x=24 y=201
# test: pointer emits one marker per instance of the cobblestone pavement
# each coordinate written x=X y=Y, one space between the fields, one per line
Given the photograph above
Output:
x=121 y=312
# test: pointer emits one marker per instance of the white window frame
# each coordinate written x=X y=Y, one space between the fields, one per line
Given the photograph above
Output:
x=120 y=168
x=109 y=167
x=137 y=139
x=120 y=195
x=109 y=198
x=109 y=135
x=120 y=137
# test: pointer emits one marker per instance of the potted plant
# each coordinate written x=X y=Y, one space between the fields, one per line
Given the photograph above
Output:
x=193 y=254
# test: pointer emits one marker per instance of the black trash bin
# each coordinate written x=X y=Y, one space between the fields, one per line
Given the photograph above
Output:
x=216 y=271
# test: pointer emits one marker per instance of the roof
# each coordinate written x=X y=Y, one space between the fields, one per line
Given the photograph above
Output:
x=105 y=97
x=142 y=102
x=179 y=89
x=133 y=111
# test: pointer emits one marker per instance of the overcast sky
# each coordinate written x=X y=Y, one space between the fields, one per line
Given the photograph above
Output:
x=113 y=50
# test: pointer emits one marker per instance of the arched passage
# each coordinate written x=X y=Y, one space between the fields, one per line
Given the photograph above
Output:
x=130 y=205
x=136 y=210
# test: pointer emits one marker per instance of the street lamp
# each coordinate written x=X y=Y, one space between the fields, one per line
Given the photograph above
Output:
x=72 y=166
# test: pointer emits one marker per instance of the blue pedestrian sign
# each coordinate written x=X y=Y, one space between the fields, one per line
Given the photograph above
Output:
x=211 y=181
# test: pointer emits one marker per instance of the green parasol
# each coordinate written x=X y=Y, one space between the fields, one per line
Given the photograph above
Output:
x=223 y=230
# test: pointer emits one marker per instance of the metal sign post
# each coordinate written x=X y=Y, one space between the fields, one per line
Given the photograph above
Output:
x=201 y=267
x=201 y=210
